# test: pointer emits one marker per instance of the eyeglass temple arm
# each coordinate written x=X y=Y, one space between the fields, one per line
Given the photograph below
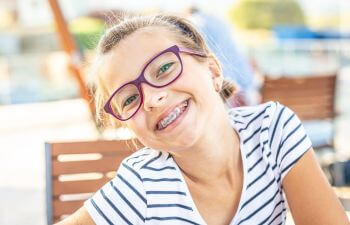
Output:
x=194 y=52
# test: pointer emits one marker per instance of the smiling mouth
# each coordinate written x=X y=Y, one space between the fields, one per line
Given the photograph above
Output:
x=172 y=116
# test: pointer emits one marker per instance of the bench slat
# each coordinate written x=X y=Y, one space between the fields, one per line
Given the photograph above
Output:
x=118 y=147
x=66 y=207
x=103 y=165
x=77 y=187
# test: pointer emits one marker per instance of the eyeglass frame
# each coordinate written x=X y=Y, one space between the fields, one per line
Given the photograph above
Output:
x=141 y=78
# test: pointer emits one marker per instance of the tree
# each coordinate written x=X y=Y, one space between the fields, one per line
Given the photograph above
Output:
x=266 y=14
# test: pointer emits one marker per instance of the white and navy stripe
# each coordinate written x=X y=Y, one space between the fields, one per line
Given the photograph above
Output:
x=149 y=187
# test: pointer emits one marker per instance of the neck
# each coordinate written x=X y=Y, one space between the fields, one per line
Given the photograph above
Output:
x=216 y=155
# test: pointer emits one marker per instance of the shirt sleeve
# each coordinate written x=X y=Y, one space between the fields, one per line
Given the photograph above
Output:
x=288 y=140
x=121 y=201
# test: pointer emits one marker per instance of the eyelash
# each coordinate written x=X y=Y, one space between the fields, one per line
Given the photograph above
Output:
x=171 y=63
x=128 y=99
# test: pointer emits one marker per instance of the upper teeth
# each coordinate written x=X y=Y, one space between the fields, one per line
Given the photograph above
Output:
x=172 y=116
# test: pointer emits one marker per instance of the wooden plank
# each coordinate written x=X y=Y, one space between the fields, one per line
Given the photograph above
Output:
x=112 y=153
x=302 y=84
x=100 y=146
x=103 y=165
x=301 y=80
x=308 y=115
x=300 y=100
x=316 y=116
x=308 y=105
x=312 y=107
x=309 y=97
x=77 y=187
x=296 y=92
x=292 y=85
x=66 y=207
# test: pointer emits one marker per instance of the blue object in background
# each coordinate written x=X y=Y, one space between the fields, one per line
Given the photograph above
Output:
x=294 y=32
x=303 y=32
x=218 y=35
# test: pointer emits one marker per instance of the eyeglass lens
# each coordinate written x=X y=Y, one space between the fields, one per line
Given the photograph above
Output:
x=161 y=71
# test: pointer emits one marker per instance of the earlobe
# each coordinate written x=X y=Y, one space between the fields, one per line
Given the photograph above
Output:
x=218 y=81
x=215 y=67
x=216 y=74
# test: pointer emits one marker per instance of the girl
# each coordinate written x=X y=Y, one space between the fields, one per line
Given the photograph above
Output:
x=203 y=164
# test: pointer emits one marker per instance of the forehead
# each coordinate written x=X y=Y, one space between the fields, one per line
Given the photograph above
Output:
x=126 y=61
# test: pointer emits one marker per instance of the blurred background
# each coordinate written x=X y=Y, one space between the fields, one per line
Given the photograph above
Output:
x=46 y=46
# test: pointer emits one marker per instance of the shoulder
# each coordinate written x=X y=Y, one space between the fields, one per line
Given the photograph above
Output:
x=147 y=162
x=268 y=112
x=269 y=126
x=275 y=131
x=245 y=118
x=140 y=157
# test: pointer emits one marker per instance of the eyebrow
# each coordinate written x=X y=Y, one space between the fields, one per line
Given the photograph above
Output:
x=143 y=67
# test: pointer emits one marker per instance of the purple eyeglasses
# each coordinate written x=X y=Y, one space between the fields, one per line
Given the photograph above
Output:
x=162 y=70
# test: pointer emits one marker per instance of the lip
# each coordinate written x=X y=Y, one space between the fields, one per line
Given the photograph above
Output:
x=166 y=113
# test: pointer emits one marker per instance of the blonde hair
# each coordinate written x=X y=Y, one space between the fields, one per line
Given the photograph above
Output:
x=183 y=31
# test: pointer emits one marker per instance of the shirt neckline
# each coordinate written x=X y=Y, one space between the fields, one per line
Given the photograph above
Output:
x=189 y=198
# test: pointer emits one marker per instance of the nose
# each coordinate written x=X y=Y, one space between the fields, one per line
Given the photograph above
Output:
x=153 y=97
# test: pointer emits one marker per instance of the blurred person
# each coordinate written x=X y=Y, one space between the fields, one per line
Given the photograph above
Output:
x=219 y=36
x=203 y=163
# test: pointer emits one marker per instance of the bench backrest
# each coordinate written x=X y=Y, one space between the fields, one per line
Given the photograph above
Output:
x=76 y=170
x=311 y=97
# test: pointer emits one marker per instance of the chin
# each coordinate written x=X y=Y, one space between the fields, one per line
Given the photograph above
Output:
x=183 y=142
x=177 y=144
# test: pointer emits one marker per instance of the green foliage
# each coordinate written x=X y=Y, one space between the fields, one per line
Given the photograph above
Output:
x=255 y=14
x=87 y=31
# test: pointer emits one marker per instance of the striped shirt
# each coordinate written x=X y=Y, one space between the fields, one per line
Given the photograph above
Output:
x=149 y=187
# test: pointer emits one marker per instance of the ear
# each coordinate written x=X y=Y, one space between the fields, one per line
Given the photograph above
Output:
x=216 y=73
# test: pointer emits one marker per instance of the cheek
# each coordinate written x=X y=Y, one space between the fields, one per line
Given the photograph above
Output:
x=139 y=126
x=197 y=74
x=137 y=123
x=198 y=82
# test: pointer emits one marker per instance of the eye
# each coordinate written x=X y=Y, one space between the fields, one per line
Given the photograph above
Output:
x=164 y=68
x=129 y=100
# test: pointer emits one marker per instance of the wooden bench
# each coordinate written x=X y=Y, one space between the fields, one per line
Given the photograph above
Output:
x=310 y=97
x=76 y=170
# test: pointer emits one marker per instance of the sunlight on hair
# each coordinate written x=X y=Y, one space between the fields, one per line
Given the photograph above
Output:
x=120 y=133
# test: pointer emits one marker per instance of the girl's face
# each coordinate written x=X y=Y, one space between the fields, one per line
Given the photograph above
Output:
x=192 y=96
